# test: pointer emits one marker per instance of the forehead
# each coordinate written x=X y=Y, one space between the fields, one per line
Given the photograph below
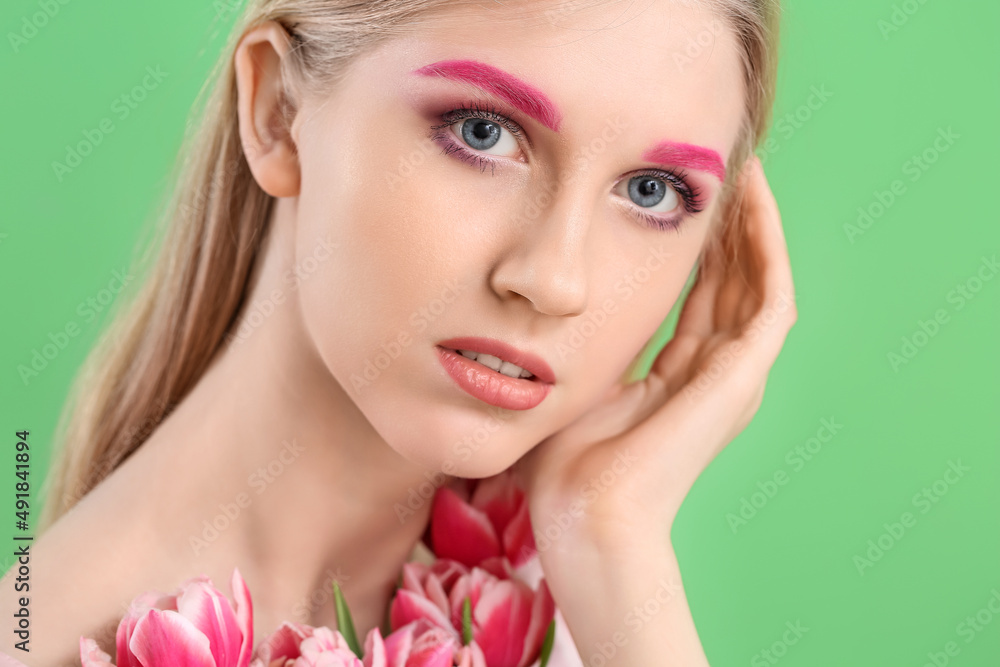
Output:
x=668 y=70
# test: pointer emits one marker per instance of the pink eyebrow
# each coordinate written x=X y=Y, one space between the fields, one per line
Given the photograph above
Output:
x=522 y=96
x=687 y=155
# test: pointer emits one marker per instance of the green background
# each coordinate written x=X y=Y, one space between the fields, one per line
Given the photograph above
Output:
x=793 y=561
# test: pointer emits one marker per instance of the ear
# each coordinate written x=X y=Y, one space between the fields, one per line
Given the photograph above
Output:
x=264 y=110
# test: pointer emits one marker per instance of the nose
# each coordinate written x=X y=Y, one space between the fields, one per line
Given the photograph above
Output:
x=546 y=262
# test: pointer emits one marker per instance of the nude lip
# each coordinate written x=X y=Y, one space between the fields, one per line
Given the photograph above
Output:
x=491 y=386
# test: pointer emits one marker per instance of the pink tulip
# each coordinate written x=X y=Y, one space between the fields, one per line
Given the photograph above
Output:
x=196 y=626
x=509 y=619
x=298 y=645
x=492 y=522
x=421 y=643
x=417 y=644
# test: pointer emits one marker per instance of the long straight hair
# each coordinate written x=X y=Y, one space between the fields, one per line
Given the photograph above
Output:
x=209 y=235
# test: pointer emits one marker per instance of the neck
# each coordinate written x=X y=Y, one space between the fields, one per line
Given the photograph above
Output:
x=268 y=435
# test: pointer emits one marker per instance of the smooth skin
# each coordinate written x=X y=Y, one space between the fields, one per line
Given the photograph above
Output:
x=670 y=426
x=366 y=258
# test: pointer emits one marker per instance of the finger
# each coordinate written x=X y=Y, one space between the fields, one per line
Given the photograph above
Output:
x=772 y=276
x=737 y=298
x=741 y=296
x=736 y=301
x=673 y=366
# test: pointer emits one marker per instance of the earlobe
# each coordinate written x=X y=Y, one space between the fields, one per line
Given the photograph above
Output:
x=265 y=113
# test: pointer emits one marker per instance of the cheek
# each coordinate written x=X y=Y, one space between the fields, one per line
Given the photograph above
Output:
x=392 y=235
x=629 y=307
x=405 y=255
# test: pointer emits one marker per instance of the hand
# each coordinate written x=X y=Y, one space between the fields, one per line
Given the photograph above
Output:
x=702 y=390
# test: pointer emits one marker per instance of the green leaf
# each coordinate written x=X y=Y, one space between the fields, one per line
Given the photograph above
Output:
x=467 y=621
x=344 y=623
x=550 y=639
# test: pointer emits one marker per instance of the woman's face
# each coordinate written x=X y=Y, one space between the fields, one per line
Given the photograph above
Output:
x=524 y=175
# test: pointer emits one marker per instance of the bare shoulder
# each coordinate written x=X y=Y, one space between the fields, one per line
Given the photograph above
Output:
x=77 y=578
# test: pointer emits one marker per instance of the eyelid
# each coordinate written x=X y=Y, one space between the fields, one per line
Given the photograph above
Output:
x=663 y=224
x=656 y=222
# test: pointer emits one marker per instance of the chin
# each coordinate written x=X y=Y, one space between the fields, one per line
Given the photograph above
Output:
x=485 y=448
x=481 y=466
x=463 y=456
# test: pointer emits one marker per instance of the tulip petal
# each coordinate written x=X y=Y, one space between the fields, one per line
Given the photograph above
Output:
x=433 y=647
x=398 y=645
x=408 y=606
x=213 y=615
x=498 y=497
x=283 y=643
x=502 y=617
x=244 y=616
x=7 y=661
x=375 y=654
x=470 y=655
x=518 y=540
x=136 y=610
x=469 y=586
x=498 y=566
x=435 y=592
x=166 y=637
x=122 y=637
x=91 y=654
x=414 y=574
x=432 y=656
x=460 y=531
x=542 y=611
x=448 y=571
x=328 y=648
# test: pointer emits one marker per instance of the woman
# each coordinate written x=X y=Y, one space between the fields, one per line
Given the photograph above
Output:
x=422 y=237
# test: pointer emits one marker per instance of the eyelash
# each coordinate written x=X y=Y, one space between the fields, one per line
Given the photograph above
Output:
x=691 y=196
x=487 y=112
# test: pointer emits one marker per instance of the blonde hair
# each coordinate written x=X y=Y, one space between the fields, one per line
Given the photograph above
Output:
x=211 y=230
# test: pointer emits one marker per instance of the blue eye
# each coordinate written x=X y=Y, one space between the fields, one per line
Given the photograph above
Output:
x=663 y=197
x=480 y=134
x=486 y=136
x=648 y=192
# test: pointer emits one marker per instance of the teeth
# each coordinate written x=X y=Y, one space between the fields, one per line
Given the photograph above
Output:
x=510 y=369
x=497 y=364
x=490 y=361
